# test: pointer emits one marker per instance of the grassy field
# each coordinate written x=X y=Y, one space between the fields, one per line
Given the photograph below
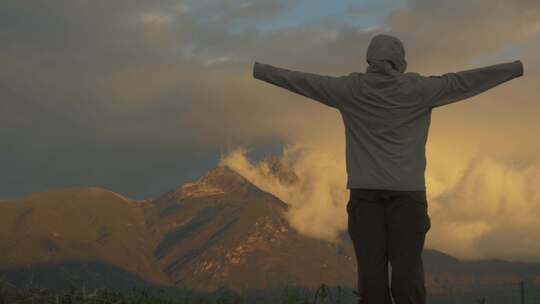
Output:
x=10 y=294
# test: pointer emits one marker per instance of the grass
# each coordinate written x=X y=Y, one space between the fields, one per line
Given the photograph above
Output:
x=10 y=294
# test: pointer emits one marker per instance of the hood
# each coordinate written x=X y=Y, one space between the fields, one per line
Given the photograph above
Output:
x=386 y=55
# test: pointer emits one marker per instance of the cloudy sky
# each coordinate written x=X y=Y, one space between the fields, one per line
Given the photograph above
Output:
x=141 y=96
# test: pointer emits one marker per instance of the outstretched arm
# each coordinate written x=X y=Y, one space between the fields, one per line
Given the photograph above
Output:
x=452 y=87
x=325 y=89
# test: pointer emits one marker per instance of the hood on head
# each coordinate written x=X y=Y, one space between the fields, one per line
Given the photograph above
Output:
x=386 y=54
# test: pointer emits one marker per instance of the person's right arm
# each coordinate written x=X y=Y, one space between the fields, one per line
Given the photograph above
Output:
x=455 y=86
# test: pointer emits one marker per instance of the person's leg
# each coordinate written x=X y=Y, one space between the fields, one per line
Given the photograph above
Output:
x=408 y=223
x=368 y=233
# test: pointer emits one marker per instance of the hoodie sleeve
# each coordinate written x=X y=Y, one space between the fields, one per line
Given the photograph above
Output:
x=325 y=89
x=455 y=86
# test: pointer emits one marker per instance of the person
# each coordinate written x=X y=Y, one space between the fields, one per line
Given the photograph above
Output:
x=386 y=114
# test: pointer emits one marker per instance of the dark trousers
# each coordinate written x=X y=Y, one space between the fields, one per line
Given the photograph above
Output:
x=389 y=226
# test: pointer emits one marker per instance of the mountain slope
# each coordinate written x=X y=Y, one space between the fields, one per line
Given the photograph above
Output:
x=80 y=223
x=223 y=231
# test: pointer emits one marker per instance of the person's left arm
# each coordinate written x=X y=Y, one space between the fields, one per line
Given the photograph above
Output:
x=328 y=90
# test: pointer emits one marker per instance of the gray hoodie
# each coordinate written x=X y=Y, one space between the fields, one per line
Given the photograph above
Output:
x=387 y=112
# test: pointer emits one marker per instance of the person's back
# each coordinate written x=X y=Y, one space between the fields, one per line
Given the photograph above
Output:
x=386 y=112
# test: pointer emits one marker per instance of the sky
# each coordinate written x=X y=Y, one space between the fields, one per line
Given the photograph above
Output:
x=140 y=97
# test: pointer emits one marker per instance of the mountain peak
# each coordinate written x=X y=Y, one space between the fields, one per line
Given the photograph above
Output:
x=220 y=180
x=224 y=176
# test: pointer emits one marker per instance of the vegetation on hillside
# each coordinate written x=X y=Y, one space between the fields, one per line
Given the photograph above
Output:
x=10 y=294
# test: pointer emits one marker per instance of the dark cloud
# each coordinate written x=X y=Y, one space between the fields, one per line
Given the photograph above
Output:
x=450 y=34
x=103 y=92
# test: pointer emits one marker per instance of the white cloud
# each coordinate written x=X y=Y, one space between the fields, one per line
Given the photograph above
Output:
x=217 y=60
x=156 y=18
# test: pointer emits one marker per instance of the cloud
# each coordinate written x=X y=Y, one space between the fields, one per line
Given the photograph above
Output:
x=486 y=212
x=316 y=200
x=480 y=209
x=450 y=33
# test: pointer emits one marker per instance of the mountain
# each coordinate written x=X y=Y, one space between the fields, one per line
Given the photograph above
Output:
x=217 y=231
x=77 y=226
x=223 y=230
